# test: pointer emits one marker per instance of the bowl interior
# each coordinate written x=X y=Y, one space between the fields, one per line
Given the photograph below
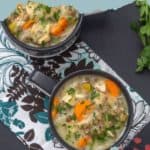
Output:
x=102 y=74
x=51 y=49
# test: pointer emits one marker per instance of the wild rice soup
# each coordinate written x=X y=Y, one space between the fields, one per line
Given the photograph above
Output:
x=40 y=25
x=90 y=112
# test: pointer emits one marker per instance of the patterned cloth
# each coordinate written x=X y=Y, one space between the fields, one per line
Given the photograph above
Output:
x=24 y=109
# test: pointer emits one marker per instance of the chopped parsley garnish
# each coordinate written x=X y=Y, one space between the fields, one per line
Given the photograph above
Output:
x=73 y=117
x=63 y=107
x=55 y=39
x=43 y=44
x=94 y=115
x=68 y=135
x=70 y=18
x=69 y=126
x=56 y=15
x=71 y=91
x=102 y=137
x=94 y=94
x=43 y=20
x=110 y=117
x=47 y=9
x=60 y=108
x=67 y=105
x=77 y=135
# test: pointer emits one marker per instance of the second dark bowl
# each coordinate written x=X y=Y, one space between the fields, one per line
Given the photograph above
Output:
x=45 y=52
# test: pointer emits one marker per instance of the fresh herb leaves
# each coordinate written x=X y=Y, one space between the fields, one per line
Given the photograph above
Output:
x=94 y=94
x=68 y=135
x=100 y=137
x=62 y=108
x=142 y=27
x=55 y=39
x=43 y=20
x=57 y=15
x=73 y=117
x=71 y=91
x=77 y=135
x=45 y=8
x=43 y=44
x=144 y=60
x=109 y=117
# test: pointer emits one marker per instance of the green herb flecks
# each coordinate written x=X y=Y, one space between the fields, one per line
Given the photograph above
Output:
x=77 y=135
x=71 y=91
x=42 y=7
x=43 y=21
x=43 y=44
x=94 y=115
x=94 y=94
x=62 y=108
x=47 y=9
x=55 y=39
x=101 y=137
x=68 y=135
x=109 y=117
x=56 y=15
x=72 y=117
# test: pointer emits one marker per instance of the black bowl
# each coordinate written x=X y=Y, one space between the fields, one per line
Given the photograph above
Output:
x=45 y=52
x=45 y=84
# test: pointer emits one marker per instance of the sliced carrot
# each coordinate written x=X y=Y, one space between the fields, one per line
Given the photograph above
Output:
x=56 y=30
x=55 y=104
x=28 y=24
x=56 y=101
x=63 y=22
x=112 y=87
x=82 y=108
x=59 y=27
x=54 y=114
x=78 y=111
x=82 y=143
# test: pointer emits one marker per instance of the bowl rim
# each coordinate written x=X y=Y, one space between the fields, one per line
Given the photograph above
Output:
x=43 y=49
x=100 y=73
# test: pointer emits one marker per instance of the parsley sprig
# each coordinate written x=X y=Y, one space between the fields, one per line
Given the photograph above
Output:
x=142 y=27
x=71 y=91
x=94 y=94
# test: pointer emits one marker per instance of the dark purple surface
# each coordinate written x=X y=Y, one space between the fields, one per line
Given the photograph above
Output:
x=111 y=37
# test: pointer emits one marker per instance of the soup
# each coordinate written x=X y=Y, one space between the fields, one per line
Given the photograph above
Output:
x=39 y=25
x=90 y=112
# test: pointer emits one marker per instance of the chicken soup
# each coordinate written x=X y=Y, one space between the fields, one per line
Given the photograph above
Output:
x=40 y=25
x=90 y=112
